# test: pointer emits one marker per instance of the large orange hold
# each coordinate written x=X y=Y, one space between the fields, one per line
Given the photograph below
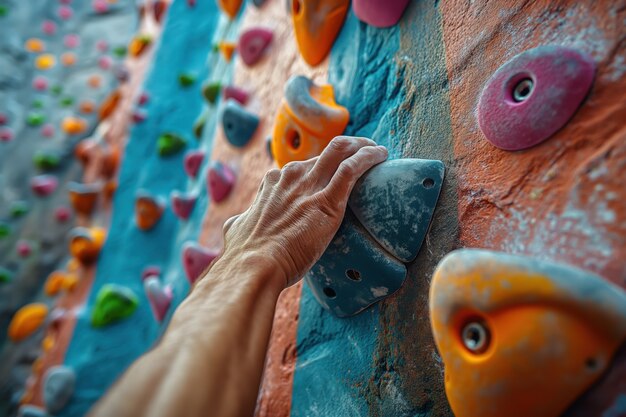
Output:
x=74 y=125
x=520 y=337
x=307 y=120
x=230 y=7
x=85 y=245
x=27 y=321
x=316 y=24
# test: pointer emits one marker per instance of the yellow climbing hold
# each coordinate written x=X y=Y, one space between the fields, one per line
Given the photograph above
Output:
x=27 y=320
x=70 y=282
x=68 y=59
x=34 y=45
x=47 y=343
x=227 y=49
x=74 y=125
x=45 y=61
x=54 y=283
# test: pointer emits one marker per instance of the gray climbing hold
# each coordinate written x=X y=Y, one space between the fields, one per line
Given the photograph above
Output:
x=31 y=411
x=395 y=202
x=58 y=387
x=239 y=125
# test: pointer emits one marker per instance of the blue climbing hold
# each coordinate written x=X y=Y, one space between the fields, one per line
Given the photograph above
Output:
x=395 y=202
x=58 y=388
x=239 y=125
x=354 y=272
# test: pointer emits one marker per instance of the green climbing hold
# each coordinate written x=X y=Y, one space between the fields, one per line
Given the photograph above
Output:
x=66 y=101
x=5 y=275
x=186 y=80
x=18 y=209
x=38 y=104
x=4 y=10
x=119 y=51
x=56 y=89
x=46 y=161
x=5 y=230
x=212 y=91
x=113 y=303
x=170 y=144
x=216 y=47
x=35 y=119
x=198 y=126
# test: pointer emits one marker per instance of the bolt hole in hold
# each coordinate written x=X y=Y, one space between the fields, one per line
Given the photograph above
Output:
x=475 y=336
x=428 y=183
x=293 y=139
x=353 y=274
x=330 y=293
x=522 y=90
x=591 y=364
x=296 y=7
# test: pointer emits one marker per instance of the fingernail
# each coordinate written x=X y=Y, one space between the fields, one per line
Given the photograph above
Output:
x=382 y=148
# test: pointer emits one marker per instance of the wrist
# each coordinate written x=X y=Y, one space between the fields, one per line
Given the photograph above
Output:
x=246 y=268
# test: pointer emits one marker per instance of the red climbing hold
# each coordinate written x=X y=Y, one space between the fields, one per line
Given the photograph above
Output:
x=23 y=249
x=40 y=83
x=192 y=162
x=6 y=134
x=196 y=259
x=62 y=214
x=235 y=93
x=253 y=43
x=220 y=180
x=44 y=185
x=182 y=205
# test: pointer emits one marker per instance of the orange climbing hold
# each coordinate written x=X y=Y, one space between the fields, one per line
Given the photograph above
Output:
x=68 y=59
x=110 y=161
x=27 y=320
x=109 y=104
x=138 y=45
x=83 y=197
x=46 y=344
x=148 y=210
x=85 y=246
x=316 y=24
x=227 y=49
x=95 y=81
x=87 y=106
x=230 y=7
x=34 y=45
x=55 y=283
x=307 y=120
x=45 y=61
x=74 y=125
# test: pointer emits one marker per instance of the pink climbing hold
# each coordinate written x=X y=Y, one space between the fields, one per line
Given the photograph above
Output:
x=220 y=180
x=24 y=249
x=235 y=93
x=49 y=27
x=150 y=271
x=65 y=12
x=159 y=296
x=253 y=43
x=533 y=95
x=380 y=13
x=71 y=41
x=6 y=134
x=40 y=83
x=44 y=185
x=3 y=119
x=196 y=259
x=105 y=62
x=143 y=98
x=100 y=6
x=62 y=214
x=182 y=205
x=102 y=45
x=193 y=161
x=139 y=115
x=47 y=130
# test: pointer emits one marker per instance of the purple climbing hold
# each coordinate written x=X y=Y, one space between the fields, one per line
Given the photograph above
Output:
x=196 y=259
x=380 y=13
x=253 y=43
x=44 y=185
x=533 y=95
x=182 y=205
x=193 y=161
x=235 y=93
x=220 y=180
x=159 y=296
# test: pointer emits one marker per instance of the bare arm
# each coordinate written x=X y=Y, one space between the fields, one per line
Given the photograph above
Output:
x=211 y=357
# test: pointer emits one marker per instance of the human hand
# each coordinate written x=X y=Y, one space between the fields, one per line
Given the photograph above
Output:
x=298 y=209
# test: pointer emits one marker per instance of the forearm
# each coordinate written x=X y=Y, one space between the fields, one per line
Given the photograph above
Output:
x=211 y=358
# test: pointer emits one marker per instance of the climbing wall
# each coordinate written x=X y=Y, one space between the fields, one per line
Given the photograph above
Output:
x=515 y=105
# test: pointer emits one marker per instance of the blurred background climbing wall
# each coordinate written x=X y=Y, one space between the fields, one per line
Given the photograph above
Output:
x=131 y=130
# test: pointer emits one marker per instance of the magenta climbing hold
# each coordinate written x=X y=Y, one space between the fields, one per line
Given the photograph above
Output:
x=182 y=205
x=533 y=95
x=380 y=13
x=220 y=180
x=47 y=130
x=159 y=296
x=6 y=134
x=143 y=98
x=235 y=93
x=62 y=214
x=100 y=6
x=149 y=271
x=192 y=162
x=65 y=12
x=71 y=41
x=105 y=62
x=102 y=46
x=139 y=115
x=196 y=259
x=23 y=248
x=40 y=83
x=44 y=185
x=253 y=43
x=3 y=118
x=49 y=27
